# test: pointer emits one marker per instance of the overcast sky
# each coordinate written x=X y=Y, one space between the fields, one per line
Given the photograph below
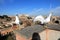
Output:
x=31 y=7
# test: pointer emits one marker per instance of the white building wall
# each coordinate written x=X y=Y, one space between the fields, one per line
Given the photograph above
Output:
x=50 y=35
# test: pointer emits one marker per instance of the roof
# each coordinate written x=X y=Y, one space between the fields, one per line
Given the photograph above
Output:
x=54 y=27
x=28 y=31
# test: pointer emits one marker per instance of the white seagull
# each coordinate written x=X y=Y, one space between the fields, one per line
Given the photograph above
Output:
x=17 y=20
x=42 y=19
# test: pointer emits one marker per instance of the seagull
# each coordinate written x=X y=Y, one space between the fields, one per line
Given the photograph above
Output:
x=42 y=19
x=17 y=20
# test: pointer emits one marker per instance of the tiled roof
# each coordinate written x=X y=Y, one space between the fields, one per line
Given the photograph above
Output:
x=28 y=31
x=54 y=27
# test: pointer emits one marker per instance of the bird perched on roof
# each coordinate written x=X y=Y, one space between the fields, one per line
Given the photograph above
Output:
x=17 y=20
x=42 y=19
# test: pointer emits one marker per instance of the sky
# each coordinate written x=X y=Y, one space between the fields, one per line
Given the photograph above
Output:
x=31 y=7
